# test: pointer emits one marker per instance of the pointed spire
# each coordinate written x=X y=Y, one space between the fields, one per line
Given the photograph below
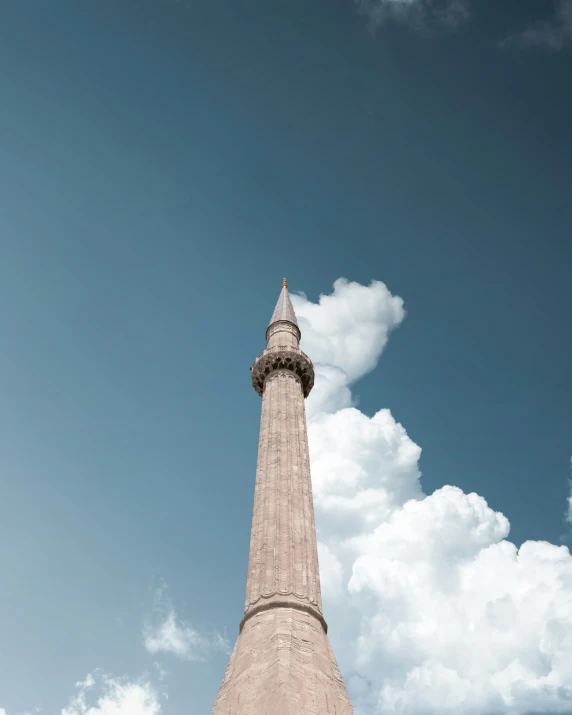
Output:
x=284 y=309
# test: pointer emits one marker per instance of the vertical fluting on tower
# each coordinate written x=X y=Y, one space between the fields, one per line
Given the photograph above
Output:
x=283 y=553
x=282 y=662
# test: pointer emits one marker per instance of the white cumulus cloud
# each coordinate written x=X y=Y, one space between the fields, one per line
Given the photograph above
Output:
x=349 y=328
x=345 y=334
x=433 y=610
x=166 y=633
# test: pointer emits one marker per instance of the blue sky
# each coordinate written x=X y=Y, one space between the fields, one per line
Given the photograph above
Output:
x=163 y=165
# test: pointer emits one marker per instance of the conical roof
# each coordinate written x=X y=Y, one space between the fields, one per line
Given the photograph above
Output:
x=284 y=309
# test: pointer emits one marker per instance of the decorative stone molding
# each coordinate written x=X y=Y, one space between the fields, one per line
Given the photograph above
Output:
x=283 y=359
x=284 y=601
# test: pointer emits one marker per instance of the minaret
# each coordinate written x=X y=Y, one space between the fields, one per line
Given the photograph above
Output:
x=282 y=663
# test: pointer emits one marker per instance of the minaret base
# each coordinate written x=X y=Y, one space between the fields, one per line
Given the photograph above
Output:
x=282 y=664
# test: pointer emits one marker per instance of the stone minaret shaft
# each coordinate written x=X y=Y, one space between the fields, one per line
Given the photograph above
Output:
x=283 y=564
x=282 y=662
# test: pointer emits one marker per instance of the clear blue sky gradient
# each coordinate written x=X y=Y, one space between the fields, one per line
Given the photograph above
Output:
x=162 y=166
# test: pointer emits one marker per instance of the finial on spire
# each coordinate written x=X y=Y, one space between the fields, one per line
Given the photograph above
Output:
x=284 y=282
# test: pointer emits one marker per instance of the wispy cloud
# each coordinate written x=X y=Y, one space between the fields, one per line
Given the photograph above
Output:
x=419 y=13
x=165 y=632
x=101 y=694
x=554 y=33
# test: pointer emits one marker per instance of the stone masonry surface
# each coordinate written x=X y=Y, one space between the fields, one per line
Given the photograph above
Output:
x=282 y=662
